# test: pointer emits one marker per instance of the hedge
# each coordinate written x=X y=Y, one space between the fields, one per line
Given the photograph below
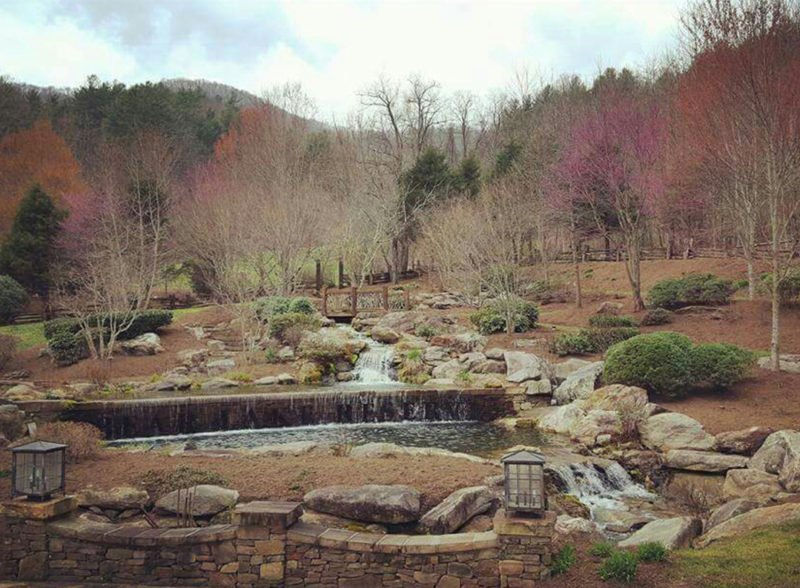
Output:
x=588 y=341
x=492 y=318
x=694 y=289
x=605 y=321
x=13 y=299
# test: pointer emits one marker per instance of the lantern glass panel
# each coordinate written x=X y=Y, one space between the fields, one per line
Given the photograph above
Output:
x=38 y=470
x=524 y=486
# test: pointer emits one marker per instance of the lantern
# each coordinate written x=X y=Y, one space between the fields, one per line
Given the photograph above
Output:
x=523 y=473
x=38 y=470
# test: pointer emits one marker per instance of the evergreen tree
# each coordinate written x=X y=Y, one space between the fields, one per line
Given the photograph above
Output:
x=467 y=179
x=28 y=253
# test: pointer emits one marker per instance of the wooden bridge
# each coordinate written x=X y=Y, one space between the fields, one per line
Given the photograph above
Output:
x=343 y=303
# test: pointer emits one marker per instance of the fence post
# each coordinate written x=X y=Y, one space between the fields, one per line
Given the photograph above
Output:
x=325 y=301
x=318 y=276
x=407 y=299
x=386 y=298
x=354 y=299
x=341 y=273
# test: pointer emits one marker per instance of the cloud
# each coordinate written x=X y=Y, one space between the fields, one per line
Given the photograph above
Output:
x=335 y=49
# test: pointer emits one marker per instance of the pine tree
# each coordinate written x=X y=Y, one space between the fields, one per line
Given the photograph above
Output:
x=28 y=253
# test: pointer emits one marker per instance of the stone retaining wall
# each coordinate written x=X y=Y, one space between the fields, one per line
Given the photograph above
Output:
x=265 y=546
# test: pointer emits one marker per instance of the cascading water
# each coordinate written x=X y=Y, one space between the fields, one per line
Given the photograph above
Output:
x=599 y=488
x=374 y=364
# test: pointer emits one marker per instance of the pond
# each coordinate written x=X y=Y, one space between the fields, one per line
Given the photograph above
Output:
x=477 y=438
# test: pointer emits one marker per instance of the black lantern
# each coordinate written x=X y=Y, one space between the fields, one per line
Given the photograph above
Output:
x=38 y=470
x=523 y=473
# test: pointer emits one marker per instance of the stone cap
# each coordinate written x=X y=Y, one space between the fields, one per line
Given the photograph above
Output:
x=277 y=516
x=22 y=508
x=407 y=544
x=126 y=535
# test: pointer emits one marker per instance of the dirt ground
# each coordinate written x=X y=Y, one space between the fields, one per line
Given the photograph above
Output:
x=283 y=478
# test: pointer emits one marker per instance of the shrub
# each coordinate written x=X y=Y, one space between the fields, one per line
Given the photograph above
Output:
x=492 y=318
x=302 y=305
x=82 y=439
x=788 y=289
x=694 y=289
x=310 y=373
x=602 y=549
x=657 y=316
x=658 y=362
x=720 y=364
x=602 y=339
x=326 y=349
x=651 y=551
x=13 y=299
x=8 y=347
x=281 y=325
x=563 y=560
x=620 y=566
x=269 y=306
x=571 y=344
x=413 y=370
x=67 y=348
x=604 y=321
x=161 y=482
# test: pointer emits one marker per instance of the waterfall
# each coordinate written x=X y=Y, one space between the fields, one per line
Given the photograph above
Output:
x=374 y=364
x=598 y=487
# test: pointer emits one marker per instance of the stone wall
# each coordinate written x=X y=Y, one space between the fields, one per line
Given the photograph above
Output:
x=265 y=546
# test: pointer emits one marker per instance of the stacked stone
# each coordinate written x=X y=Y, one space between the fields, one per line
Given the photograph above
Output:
x=525 y=546
x=261 y=541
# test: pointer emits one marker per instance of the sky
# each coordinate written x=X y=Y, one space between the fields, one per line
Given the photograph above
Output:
x=335 y=49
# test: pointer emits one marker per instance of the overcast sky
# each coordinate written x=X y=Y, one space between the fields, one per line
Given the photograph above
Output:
x=334 y=48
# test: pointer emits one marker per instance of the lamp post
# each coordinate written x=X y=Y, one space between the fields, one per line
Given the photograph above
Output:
x=523 y=476
x=38 y=470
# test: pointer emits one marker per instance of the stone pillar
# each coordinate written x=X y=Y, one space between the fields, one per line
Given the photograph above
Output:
x=261 y=541
x=525 y=547
x=24 y=549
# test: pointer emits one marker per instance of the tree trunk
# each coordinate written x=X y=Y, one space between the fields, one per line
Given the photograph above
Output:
x=577 y=265
x=751 y=278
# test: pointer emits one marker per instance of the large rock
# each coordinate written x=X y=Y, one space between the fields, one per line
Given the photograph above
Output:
x=144 y=344
x=372 y=503
x=218 y=384
x=174 y=382
x=219 y=366
x=192 y=357
x=448 y=370
x=732 y=508
x=671 y=533
x=400 y=322
x=205 y=500
x=579 y=384
x=489 y=366
x=496 y=353
x=23 y=392
x=455 y=510
x=390 y=450
x=460 y=343
x=699 y=489
x=564 y=369
x=119 y=498
x=780 y=454
x=672 y=430
x=750 y=483
x=617 y=397
x=750 y=521
x=595 y=423
x=384 y=335
x=561 y=419
x=435 y=355
x=703 y=461
x=567 y=525
x=470 y=360
x=788 y=363
x=521 y=367
x=744 y=441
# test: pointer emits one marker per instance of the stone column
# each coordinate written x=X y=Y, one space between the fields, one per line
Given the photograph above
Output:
x=525 y=547
x=261 y=541
x=24 y=549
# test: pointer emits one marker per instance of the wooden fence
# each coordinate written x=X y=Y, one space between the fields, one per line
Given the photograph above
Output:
x=348 y=302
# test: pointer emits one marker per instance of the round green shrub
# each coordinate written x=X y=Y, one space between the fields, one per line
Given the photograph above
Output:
x=302 y=305
x=665 y=294
x=13 y=299
x=571 y=344
x=605 y=321
x=279 y=325
x=492 y=317
x=269 y=306
x=621 y=566
x=694 y=289
x=655 y=317
x=720 y=364
x=658 y=362
x=602 y=339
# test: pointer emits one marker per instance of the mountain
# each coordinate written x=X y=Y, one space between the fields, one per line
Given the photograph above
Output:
x=214 y=91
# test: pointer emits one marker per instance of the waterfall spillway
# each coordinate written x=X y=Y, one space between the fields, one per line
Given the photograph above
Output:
x=374 y=364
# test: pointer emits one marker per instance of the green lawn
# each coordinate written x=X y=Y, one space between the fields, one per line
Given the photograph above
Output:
x=765 y=559
x=29 y=335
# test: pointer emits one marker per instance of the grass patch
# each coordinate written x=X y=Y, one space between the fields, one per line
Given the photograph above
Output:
x=29 y=335
x=769 y=558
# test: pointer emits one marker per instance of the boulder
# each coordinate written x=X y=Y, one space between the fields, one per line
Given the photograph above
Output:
x=293 y=449
x=698 y=489
x=469 y=360
x=610 y=308
x=594 y=424
x=620 y=521
x=780 y=454
x=703 y=461
x=384 y=335
x=744 y=441
x=617 y=397
x=144 y=344
x=206 y=500
x=538 y=388
x=455 y=510
x=489 y=366
x=174 y=382
x=192 y=357
x=448 y=370
x=23 y=392
x=788 y=363
x=496 y=353
x=266 y=381
x=461 y=343
x=579 y=384
x=400 y=322
x=521 y=367
x=749 y=483
x=478 y=524
x=286 y=353
x=218 y=384
x=562 y=370
x=372 y=503
x=730 y=509
x=435 y=355
x=389 y=450
x=220 y=366
x=567 y=525
x=561 y=419
x=83 y=388
x=440 y=383
x=672 y=430
x=118 y=498
x=286 y=379
x=671 y=533
x=750 y=521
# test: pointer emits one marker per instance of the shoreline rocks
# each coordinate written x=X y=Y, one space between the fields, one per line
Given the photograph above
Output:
x=371 y=503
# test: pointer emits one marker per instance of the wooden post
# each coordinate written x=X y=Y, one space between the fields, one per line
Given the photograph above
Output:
x=386 y=298
x=341 y=273
x=407 y=299
x=318 y=276
x=325 y=301
x=354 y=299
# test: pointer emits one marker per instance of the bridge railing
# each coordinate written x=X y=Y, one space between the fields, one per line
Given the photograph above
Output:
x=348 y=302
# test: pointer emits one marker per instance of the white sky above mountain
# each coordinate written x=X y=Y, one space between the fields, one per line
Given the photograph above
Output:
x=334 y=48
